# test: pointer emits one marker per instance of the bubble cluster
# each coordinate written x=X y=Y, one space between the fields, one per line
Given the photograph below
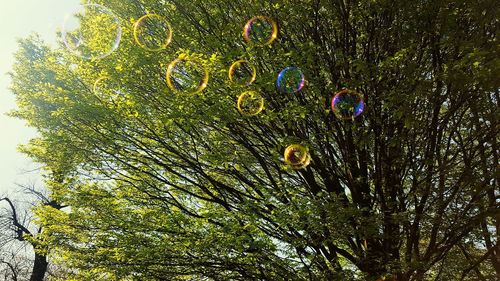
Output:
x=92 y=32
x=260 y=31
x=290 y=80
x=187 y=76
x=152 y=32
x=250 y=103
x=347 y=104
x=242 y=73
x=297 y=156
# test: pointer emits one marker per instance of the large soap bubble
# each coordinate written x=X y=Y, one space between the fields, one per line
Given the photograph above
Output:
x=92 y=32
x=290 y=80
x=242 y=73
x=187 y=76
x=250 y=103
x=297 y=156
x=260 y=31
x=152 y=32
x=347 y=104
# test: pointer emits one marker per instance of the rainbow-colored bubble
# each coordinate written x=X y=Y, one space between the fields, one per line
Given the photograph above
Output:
x=91 y=32
x=297 y=156
x=186 y=76
x=152 y=32
x=242 y=73
x=290 y=80
x=250 y=103
x=347 y=104
x=260 y=31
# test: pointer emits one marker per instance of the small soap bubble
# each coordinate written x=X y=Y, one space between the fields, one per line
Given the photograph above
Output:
x=152 y=32
x=290 y=80
x=107 y=89
x=92 y=32
x=297 y=156
x=347 y=104
x=260 y=31
x=187 y=76
x=242 y=73
x=250 y=103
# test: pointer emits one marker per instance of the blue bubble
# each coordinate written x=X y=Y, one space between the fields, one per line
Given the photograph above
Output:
x=290 y=80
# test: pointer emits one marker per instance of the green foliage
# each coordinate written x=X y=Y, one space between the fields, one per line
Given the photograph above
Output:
x=165 y=186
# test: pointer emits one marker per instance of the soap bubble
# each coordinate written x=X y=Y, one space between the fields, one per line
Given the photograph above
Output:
x=290 y=80
x=107 y=89
x=347 y=104
x=297 y=156
x=242 y=73
x=250 y=103
x=260 y=31
x=187 y=76
x=92 y=32
x=152 y=32
x=302 y=165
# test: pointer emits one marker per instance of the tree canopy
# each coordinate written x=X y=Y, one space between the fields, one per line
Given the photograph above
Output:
x=163 y=185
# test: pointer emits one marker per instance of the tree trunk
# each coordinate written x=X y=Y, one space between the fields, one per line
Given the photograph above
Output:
x=39 y=267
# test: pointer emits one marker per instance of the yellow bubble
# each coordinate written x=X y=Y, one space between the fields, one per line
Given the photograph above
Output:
x=242 y=73
x=187 y=76
x=152 y=32
x=260 y=31
x=250 y=103
x=297 y=156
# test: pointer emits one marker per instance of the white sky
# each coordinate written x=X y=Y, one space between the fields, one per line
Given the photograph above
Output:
x=19 y=19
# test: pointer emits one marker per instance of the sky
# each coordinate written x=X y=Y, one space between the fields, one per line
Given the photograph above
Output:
x=19 y=19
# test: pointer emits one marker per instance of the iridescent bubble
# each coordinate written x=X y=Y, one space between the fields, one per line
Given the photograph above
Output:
x=107 y=89
x=290 y=80
x=250 y=103
x=152 y=32
x=260 y=31
x=347 y=104
x=92 y=32
x=187 y=76
x=242 y=73
x=297 y=156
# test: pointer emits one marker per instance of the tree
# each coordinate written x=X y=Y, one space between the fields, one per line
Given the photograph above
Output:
x=166 y=186
x=16 y=226
x=10 y=268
